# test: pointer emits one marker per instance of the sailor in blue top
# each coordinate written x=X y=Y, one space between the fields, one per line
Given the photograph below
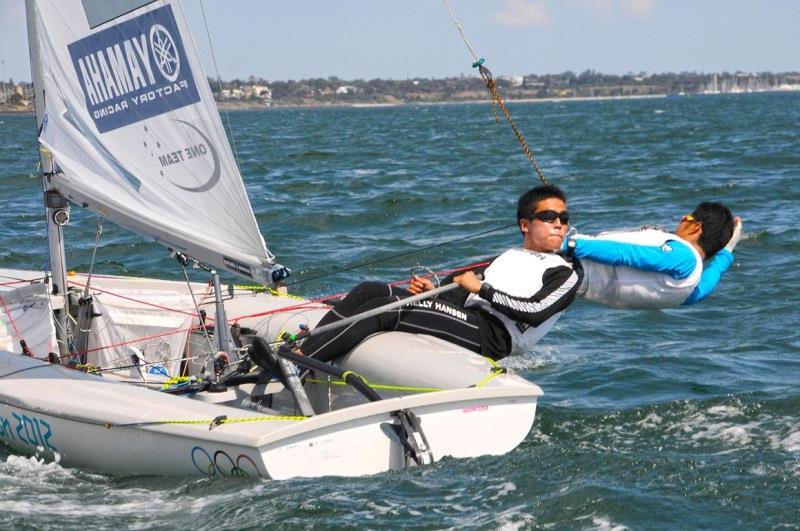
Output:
x=651 y=268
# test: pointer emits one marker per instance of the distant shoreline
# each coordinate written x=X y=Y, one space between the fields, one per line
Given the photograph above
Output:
x=255 y=105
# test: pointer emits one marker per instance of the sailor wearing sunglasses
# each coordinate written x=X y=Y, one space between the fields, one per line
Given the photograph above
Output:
x=523 y=293
x=651 y=268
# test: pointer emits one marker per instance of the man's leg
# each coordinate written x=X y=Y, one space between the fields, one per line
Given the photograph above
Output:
x=443 y=320
x=338 y=342
x=358 y=296
x=433 y=317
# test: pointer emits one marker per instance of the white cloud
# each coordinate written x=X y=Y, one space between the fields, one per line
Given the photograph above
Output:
x=638 y=8
x=631 y=8
x=521 y=14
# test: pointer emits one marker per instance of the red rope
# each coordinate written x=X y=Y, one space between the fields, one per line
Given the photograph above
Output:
x=318 y=303
x=143 y=338
x=23 y=345
x=16 y=280
x=145 y=303
x=303 y=306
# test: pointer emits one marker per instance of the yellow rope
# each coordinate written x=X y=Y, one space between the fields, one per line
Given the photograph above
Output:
x=259 y=419
x=174 y=381
x=255 y=288
x=494 y=374
x=382 y=387
x=207 y=422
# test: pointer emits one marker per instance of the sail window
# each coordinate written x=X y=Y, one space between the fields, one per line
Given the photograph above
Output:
x=101 y=11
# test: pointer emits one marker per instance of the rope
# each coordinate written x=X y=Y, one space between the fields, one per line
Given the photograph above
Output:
x=458 y=27
x=97 y=234
x=381 y=387
x=211 y=349
x=404 y=253
x=307 y=305
x=22 y=344
x=108 y=425
x=497 y=371
x=15 y=282
x=212 y=422
x=219 y=82
x=144 y=303
x=497 y=101
x=143 y=338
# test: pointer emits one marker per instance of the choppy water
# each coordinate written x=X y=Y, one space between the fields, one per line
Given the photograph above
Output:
x=682 y=418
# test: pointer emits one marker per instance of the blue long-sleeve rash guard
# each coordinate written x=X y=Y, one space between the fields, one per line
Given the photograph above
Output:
x=712 y=274
x=675 y=258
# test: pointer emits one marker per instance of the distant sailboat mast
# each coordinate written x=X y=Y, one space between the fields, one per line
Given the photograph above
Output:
x=56 y=207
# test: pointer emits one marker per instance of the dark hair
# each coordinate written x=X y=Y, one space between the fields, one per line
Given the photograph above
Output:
x=526 y=206
x=717 y=223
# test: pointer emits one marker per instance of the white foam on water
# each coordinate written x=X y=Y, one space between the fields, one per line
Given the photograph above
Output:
x=363 y=173
x=503 y=489
x=77 y=507
x=388 y=508
x=201 y=505
x=603 y=523
x=650 y=421
x=789 y=442
x=541 y=357
x=737 y=435
x=32 y=467
x=514 y=518
x=717 y=423
x=724 y=411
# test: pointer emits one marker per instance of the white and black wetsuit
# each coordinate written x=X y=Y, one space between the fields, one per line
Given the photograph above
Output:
x=491 y=323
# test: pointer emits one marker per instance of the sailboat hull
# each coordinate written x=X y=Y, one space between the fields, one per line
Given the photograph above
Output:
x=97 y=424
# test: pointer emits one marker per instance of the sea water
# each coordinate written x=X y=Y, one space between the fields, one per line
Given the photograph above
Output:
x=682 y=418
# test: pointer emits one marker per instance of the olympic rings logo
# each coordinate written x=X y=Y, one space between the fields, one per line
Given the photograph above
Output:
x=224 y=464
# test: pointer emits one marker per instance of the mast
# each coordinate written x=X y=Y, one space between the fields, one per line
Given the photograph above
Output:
x=56 y=207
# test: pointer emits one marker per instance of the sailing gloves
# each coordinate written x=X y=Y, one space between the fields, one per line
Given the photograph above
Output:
x=737 y=233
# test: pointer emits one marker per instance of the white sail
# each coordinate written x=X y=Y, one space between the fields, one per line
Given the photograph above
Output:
x=135 y=133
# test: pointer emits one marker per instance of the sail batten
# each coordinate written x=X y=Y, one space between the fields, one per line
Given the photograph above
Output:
x=135 y=132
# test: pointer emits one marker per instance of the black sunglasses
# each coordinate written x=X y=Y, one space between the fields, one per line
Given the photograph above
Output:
x=549 y=216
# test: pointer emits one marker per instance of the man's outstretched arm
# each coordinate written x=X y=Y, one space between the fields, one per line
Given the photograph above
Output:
x=674 y=258
x=712 y=274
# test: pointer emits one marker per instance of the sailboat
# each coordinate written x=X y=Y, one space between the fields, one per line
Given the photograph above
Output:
x=144 y=376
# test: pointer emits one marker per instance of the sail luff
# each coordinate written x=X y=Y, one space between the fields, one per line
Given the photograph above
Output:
x=55 y=233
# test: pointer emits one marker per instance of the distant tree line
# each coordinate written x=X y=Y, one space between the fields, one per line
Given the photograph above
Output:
x=588 y=83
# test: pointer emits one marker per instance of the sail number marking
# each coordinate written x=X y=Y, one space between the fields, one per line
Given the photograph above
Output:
x=30 y=430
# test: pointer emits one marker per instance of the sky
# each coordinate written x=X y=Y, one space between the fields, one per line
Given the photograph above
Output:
x=400 y=39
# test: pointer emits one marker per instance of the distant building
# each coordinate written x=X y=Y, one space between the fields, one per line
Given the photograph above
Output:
x=247 y=92
x=346 y=89
x=514 y=81
x=22 y=91
x=256 y=92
